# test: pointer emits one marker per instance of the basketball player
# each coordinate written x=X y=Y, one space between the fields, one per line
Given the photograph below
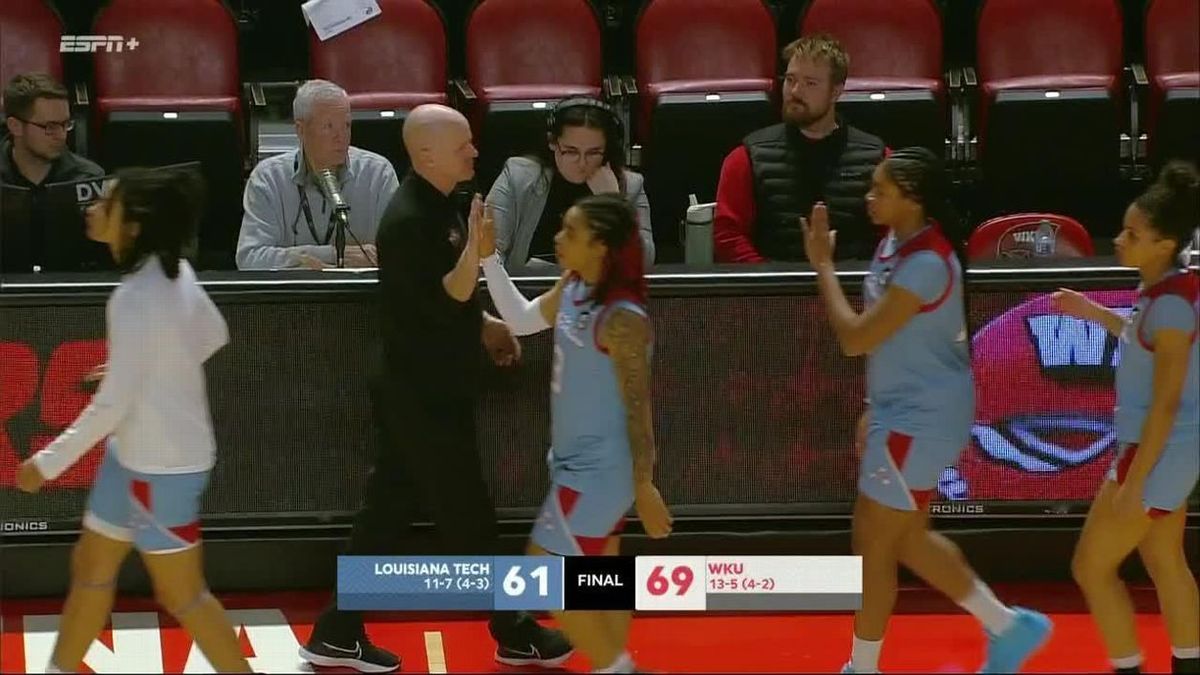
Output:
x=162 y=327
x=921 y=404
x=602 y=453
x=1143 y=503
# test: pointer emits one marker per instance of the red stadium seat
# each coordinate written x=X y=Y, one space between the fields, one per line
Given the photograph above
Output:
x=1173 y=66
x=522 y=55
x=1013 y=236
x=895 y=87
x=30 y=33
x=1049 y=117
x=406 y=47
x=175 y=97
x=706 y=76
x=30 y=42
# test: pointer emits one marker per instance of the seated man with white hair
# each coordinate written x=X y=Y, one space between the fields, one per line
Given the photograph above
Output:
x=289 y=220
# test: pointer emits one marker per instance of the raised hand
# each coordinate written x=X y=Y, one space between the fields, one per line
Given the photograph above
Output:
x=487 y=233
x=819 y=240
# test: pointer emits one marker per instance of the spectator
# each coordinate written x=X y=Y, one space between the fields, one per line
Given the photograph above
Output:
x=33 y=155
x=779 y=172
x=584 y=155
x=288 y=221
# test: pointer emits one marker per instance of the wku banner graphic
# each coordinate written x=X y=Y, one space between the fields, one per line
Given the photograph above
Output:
x=1044 y=402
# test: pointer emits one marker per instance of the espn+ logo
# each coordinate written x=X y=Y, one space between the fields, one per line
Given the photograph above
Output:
x=90 y=44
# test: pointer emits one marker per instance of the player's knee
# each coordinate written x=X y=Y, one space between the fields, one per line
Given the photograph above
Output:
x=1164 y=562
x=178 y=595
x=179 y=603
x=1087 y=569
x=875 y=549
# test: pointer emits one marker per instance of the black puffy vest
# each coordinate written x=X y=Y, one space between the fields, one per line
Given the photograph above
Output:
x=775 y=163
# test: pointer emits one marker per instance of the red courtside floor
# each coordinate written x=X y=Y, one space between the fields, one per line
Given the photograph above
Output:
x=928 y=635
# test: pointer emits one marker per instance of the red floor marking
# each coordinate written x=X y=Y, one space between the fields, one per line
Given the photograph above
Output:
x=947 y=642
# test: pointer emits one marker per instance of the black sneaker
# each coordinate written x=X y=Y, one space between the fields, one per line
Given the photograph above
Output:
x=540 y=646
x=360 y=655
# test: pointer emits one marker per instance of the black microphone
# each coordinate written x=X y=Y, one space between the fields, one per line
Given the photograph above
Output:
x=341 y=212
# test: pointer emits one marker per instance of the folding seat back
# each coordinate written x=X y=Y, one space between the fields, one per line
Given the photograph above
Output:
x=1173 y=67
x=895 y=87
x=29 y=39
x=1050 y=115
x=388 y=65
x=1050 y=76
x=706 y=73
x=172 y=95
x=522 y=56
x=1014 y=236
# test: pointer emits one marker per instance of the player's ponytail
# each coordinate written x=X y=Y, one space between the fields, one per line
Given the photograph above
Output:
x=1173 y=203
x=921 y=177
x=613 y=221
x=166 y=204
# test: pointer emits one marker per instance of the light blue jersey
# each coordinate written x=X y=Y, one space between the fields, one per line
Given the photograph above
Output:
x=1171 y=303
x=589 y=434
x=919 y=380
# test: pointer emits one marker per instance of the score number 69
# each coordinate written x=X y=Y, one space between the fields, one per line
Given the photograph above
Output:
x=681 y=577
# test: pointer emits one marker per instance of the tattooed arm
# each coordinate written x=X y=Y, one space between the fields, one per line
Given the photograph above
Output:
x=626 y=337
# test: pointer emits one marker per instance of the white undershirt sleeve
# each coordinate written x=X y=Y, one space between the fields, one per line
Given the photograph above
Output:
x=522 y=316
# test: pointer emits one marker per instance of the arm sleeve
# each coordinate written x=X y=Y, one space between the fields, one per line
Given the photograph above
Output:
x=259 y=241
x=1170 y=311
x=130 y=338
x=735 y=212
x=924 y=274
x=504 y=215
x=522 y=316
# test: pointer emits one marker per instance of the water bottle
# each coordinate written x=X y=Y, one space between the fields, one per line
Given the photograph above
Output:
x=1043 y=240
x=698 y=235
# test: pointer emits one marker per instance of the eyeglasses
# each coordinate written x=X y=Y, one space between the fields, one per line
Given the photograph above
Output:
x=52 y=127
x=573 y=154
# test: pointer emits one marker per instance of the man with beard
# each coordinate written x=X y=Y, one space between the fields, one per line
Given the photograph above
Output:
x=780 y=172
x=38 y=119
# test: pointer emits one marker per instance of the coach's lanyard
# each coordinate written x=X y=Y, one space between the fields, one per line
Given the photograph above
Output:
x=309 y=219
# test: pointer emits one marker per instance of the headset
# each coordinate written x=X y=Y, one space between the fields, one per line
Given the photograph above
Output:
x=585 y=102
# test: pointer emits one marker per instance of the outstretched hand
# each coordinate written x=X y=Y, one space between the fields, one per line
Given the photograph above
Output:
x=475 y=223
x=819 y=240
x=487 y=233
x=1072 y=303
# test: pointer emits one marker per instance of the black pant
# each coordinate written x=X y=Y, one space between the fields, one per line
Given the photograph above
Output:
x=428 y=455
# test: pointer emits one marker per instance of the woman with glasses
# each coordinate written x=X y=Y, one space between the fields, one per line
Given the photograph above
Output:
x=584 y=155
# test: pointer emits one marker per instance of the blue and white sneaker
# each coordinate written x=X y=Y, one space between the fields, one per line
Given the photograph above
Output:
x=849 y=668
x=1007 y=652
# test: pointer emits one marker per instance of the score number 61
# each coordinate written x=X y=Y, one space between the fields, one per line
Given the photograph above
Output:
x=681 y=576
x=514 y=583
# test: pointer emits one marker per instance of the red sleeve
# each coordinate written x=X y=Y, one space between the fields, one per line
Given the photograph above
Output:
x=735 y=212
